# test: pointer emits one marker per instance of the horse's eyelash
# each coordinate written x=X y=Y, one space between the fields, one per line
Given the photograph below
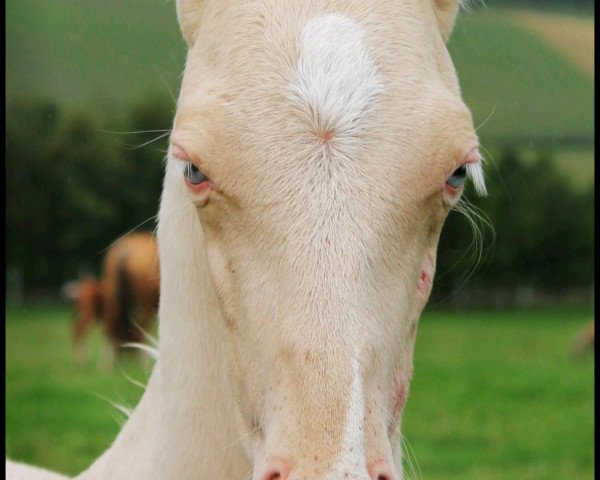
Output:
x=475 y=173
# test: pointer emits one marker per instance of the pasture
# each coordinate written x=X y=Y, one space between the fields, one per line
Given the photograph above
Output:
x=573 y=36
x=519 y=84
x=495 y=395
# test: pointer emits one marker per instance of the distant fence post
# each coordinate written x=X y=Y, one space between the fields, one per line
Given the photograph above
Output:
x=14 y=286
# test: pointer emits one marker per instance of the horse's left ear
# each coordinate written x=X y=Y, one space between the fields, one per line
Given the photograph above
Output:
x=446 y=11
x=189 y=14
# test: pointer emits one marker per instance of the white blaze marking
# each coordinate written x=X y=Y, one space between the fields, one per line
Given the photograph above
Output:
x=352 y=457
x=337 y=86
x=336 y=82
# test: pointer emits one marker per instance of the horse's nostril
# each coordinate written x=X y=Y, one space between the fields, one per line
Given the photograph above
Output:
x=381 y=470
x=272 y=475
x=277 y=469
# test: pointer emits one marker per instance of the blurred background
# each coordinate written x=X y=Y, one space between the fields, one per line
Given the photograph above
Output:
x=503 y=384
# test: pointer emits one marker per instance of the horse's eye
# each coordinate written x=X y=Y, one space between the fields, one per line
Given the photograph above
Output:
x=457 y=179
x=193 y=175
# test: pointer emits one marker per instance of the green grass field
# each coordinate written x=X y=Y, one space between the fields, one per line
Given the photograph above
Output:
x=495 y=396
x=59 y=415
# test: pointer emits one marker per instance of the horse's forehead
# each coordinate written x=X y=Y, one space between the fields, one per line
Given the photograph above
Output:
x=325 y=89
x=337 y=60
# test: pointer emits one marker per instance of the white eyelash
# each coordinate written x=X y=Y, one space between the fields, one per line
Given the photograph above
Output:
x=177 y=168
x=475 y=173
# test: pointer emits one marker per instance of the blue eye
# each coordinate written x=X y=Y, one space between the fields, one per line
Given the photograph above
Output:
x=193 y=175
x=457 y=179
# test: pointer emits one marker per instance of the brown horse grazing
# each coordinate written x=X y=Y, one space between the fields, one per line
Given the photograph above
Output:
x=130 y=289
x=131 y=279
x=87 y=294
x=126 y=298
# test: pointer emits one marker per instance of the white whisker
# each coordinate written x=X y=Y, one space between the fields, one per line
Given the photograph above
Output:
x=133 y=132
x=479 y=222
x=132 y=380
x=153 y=352
x=409 y=453
x=153 y=217
x=135 y=147
x=488 y=117
x=119 y=421
x=153 y=340
x=168 y=88
x=243 y=437
x=126 y=411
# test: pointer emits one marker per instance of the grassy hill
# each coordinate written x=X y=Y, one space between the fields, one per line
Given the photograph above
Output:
x=94 y=54
x=572 y=36
x=104 y=55
x=529 y=91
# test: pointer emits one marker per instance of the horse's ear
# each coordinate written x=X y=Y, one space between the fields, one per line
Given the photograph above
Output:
x=189 y=13
x=446 y=11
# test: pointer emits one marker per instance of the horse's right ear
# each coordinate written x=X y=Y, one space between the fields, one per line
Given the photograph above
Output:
x=189 y=13
x=446 y=11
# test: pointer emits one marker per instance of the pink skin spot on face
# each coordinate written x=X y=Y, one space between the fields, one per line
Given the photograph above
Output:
x=425 y=281
x=400 y=393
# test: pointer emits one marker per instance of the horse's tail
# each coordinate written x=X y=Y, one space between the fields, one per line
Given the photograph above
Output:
x=125 y=299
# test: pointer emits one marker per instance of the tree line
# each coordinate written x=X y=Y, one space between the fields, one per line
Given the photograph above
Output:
x=73 y=187
x=533 y=230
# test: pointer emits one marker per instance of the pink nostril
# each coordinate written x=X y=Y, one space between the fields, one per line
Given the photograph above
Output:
x=276 y=469
x=381 y=470
x=273 y=476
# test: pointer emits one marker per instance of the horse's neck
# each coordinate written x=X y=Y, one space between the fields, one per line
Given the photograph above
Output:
x=132 y=453
x=184 y=427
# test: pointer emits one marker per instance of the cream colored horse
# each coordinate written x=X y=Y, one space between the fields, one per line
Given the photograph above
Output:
x=316 y=151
